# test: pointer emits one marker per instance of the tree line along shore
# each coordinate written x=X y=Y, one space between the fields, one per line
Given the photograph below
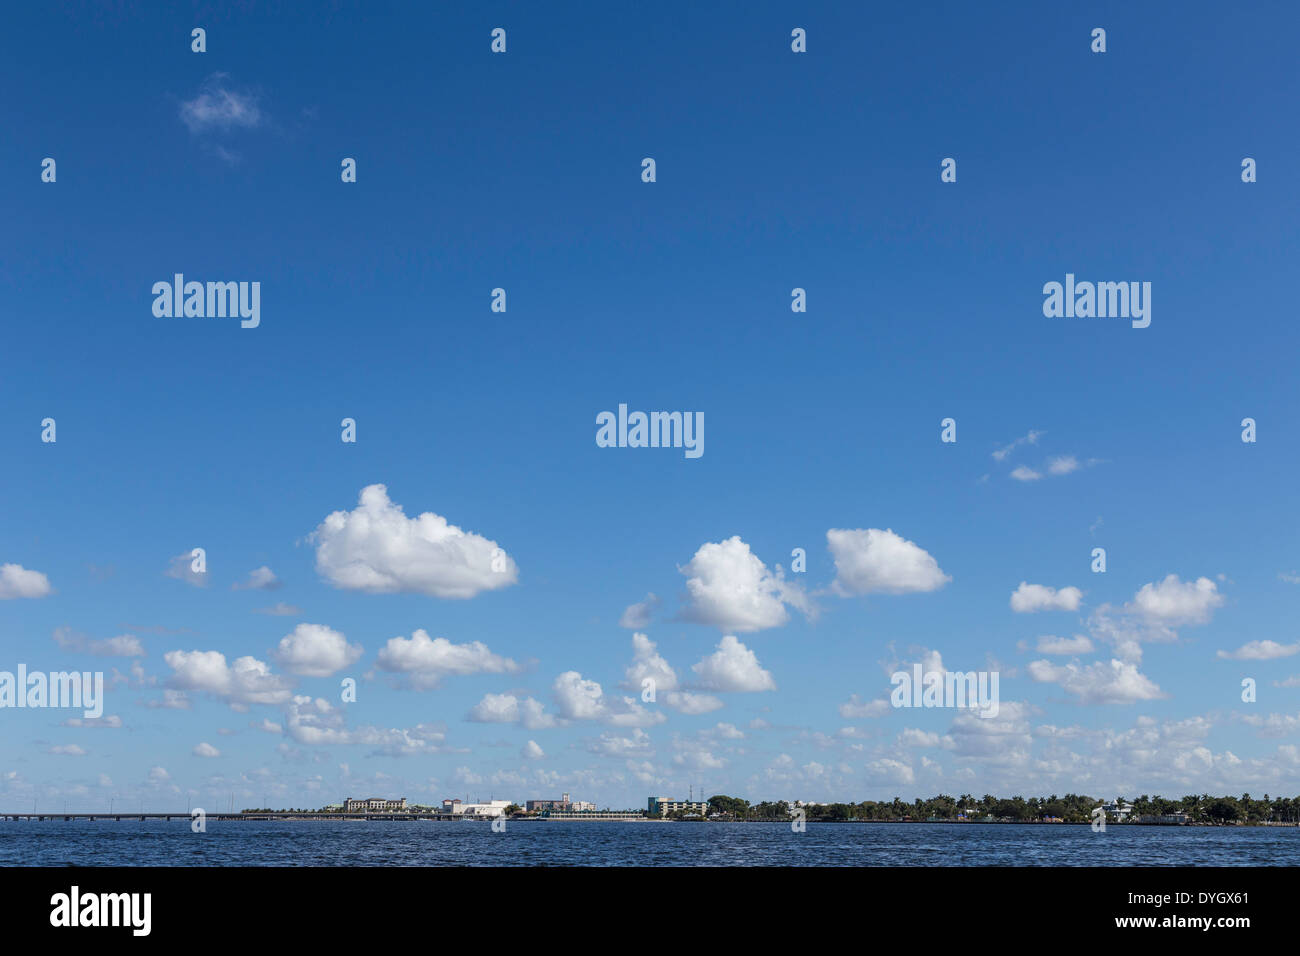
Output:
x=1201 y=809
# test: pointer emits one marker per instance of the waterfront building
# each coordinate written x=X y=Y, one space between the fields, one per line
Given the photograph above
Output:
x=493 y=808
x=1119 y=810
x=374 y=805
x=665 y=806
x=535 y=806
x=563 y=805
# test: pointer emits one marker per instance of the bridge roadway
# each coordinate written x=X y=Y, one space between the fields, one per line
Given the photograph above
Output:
x=178 y=815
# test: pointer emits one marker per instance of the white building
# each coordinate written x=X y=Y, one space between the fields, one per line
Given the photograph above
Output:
x=1119 y=810
x=493 y=808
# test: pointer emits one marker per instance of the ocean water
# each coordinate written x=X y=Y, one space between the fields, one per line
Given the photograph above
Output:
x=616 y=843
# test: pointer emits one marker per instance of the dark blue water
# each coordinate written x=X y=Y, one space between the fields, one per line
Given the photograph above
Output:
x=418 y=843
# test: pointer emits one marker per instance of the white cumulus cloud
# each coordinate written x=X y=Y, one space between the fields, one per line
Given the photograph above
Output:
x=579 y=699
x=246 y=681
x=1172 y=602
x=1029 y=598
x=869 y=561
x=377 y=549
x=731 y=589
x=733 y=667
x=314 y=650
x=637 y=616
x=1261 y=651
x=427 y=660
x=18 y=582
x=1101 y=682
x=509 y=709
x=1079 y=644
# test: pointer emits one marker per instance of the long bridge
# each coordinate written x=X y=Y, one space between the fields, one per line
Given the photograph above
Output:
x=241 y=815
x=40 y=815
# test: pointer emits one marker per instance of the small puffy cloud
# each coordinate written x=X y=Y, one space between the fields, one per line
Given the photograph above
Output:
x=612 y=745
x=1172 y=602
x=1059 y=465
x=1261 y=651
x=159 y=775
x=869 y=561
x=314 y=650
x=1079 y=644
x=733 y=667
x=171 y=700
x=181 y=568
x=509 y=709
x=857 y=708
x=889 y=770
x=124 y=645
x=246 y=681
x=1029 y=598
x=697 y=759
x=427 y=660
x=731 y=589
x=18 y=582
x=259 y=579
x=318 y=723
x=219 y=106
x=68 y=750
x=912 y=737
x=1153 y=615
x=637 y=616
x=377 y=549
x=647 y=663
x=580 y=699
x=689 y=703
x=532 y=751
x=1102 y=682
x=206 y=750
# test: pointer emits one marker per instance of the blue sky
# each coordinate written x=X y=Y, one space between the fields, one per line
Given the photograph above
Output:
x=774 y=170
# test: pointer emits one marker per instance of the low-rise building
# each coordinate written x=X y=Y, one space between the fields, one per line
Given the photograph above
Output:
x=493 y=808
x=374 y=805
x=664 y=806
x=1119 y=810
x=536 y=806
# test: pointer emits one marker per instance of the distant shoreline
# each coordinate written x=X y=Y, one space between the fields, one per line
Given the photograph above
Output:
x=239 y=817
